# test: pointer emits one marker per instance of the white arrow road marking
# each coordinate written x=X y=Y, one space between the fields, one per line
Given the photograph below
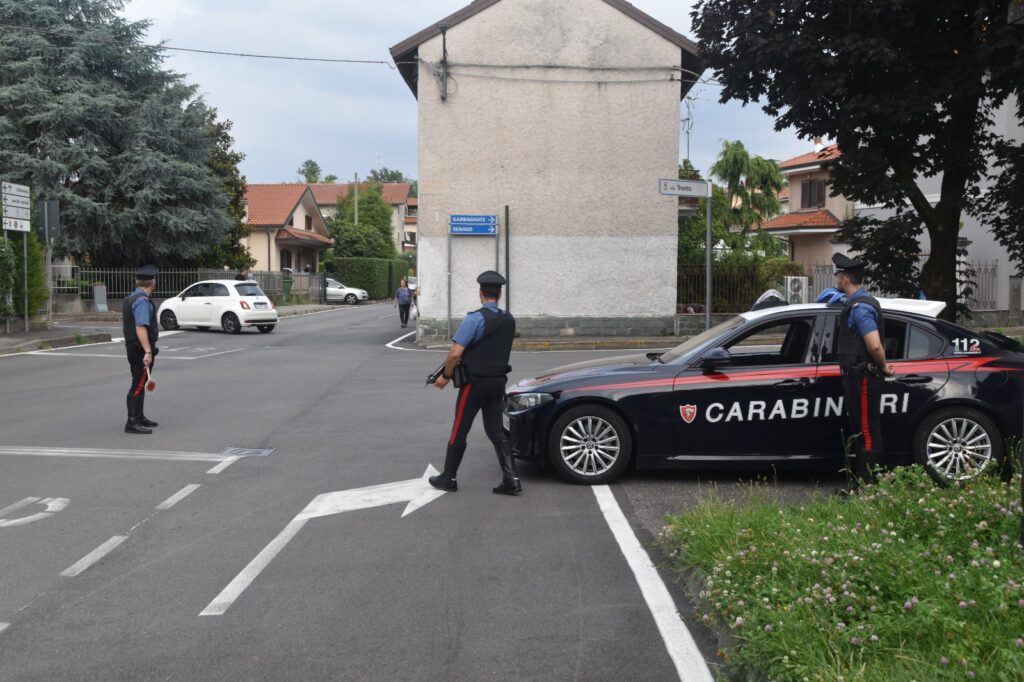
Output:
x=18 y=505
x=53 y=505
x=689 y=662
x=417 y=492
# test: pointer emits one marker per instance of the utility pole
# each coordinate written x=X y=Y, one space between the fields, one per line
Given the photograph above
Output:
x=355 y=185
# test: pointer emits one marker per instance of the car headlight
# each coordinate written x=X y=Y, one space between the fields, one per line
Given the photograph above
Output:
x=528 y=401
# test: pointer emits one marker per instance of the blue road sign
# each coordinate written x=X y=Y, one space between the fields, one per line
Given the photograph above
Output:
x=485 y=225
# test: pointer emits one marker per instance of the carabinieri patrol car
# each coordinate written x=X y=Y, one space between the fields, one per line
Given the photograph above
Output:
x=764 y=388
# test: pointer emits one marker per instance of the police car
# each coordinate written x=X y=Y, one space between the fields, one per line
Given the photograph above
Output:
x=765 y=388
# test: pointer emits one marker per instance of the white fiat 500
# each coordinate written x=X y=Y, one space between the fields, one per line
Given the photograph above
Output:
x=229 y=304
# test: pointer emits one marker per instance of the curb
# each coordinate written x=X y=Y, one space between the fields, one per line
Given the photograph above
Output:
x=621 y=344
x=56 y=342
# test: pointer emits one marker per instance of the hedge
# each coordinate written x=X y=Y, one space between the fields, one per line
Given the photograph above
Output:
x=378 y=276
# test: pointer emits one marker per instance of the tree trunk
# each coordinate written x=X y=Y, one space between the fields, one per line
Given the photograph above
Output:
x=938 y=275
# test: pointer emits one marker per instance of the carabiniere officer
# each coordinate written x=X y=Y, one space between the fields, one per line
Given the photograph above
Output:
x=138 y=314
x=482 y=345
x=862 y=364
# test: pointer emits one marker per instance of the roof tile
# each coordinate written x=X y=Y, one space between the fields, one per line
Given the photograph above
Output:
x=394 y=193
x=797 y=220
x=829 y=153
x=272 y=204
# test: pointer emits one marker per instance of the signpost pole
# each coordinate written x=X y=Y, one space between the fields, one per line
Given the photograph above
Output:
x=24 y=252
x=7 y=320
x=709 y=245
x=508 y=274
x=449 y=285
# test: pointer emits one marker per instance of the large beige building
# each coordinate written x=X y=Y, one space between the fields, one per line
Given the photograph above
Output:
x=567 y=112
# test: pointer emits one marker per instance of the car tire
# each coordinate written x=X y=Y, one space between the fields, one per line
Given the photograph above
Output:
x=168 y=320
x=230 y=324
x=590 y=445
x=265 y=328
x=957 y=444
x=351 y=299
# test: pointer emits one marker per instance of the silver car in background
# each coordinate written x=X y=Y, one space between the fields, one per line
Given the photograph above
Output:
x=339 y=293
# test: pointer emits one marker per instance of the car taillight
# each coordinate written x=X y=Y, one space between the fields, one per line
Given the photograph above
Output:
x=245 y=306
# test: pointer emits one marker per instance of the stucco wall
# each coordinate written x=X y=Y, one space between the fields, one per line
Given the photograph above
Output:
x=839 y=206
x=577 y=163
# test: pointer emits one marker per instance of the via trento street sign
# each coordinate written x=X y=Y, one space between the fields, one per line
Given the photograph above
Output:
x=486 y=225
x=695 y=189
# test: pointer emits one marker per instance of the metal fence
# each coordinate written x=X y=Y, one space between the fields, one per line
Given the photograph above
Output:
x=120 y=283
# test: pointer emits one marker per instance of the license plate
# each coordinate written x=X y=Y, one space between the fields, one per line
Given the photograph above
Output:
x=261 y=306
x=506 y=422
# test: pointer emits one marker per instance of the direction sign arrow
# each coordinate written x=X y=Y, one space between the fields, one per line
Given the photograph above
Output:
x=11 y=188
x=17 y=212
x=17 y=225
x=416 y=492
x=16 y=201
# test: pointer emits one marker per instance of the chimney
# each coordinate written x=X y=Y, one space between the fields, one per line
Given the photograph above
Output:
x=818 y=145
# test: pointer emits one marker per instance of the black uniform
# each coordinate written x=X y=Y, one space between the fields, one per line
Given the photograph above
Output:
x=485 y=368
x=137 y=421
x=863 y=383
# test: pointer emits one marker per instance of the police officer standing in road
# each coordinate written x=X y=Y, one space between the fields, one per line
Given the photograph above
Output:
x=138 y=315
x=480 y=351
x=861 y=355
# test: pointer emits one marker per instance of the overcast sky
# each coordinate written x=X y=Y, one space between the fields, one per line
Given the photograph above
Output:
x=351 y=118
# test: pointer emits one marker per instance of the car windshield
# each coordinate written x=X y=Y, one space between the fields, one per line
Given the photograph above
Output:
x=333 y=283
x=248 y=290
x=696 y=342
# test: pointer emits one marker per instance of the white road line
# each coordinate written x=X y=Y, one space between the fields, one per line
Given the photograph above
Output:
x=392 y=345
x=223 y=601
x=689 y=662
x=94 y=556
x=211 y=355
x=4 y=626
x=177 y=497
x=18 y=505
x=18 y=451
x=223 y=465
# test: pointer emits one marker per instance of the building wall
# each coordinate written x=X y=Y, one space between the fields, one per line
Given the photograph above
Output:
x=578 y=164
x=256 y=243
x=839 y=206
x=814 y=249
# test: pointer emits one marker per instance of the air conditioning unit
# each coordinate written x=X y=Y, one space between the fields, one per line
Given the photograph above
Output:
x=796 y=290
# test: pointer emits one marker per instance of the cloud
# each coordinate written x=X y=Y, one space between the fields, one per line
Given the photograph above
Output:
x=344 y=116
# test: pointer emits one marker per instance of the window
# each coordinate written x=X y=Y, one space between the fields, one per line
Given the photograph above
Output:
x=812 y=194
x=248 y=290
x=286 y=258
x=903 y=341
x=197 y=290
x=922 y=345
x=309 y=222
x=779 y=342
x=219 y=290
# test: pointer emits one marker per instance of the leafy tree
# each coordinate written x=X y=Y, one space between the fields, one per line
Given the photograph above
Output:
x=7 y=270
x=362 y=241
x=89 y=117
x=309 y=171
x=907 y=88
x=693 y=228
x=230 y=252
x=751 y=183
x=330 y=179
x=386 y=174
x=373 y=210
x=36 y=276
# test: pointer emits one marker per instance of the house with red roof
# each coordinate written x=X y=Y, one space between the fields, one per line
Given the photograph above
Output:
x=287 y=227
x=811 y=217
x=396 y=194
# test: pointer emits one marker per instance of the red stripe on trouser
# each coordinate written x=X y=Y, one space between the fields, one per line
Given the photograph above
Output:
x=864 y=415
x=458 y=414
x=141 y=386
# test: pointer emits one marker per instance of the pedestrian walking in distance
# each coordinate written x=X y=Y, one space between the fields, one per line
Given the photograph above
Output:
x=862 y=363
x=403 y=301
x=479 y=361
x=138 y=315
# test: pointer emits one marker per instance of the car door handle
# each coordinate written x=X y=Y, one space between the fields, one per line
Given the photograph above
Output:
x=912 y=379
x=790 y=384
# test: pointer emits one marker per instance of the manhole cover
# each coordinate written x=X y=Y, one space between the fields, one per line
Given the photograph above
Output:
x=247 y=452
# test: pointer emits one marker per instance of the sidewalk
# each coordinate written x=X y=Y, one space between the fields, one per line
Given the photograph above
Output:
x=587 y=343
x=24 y=342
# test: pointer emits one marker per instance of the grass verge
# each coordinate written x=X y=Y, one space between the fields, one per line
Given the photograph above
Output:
x=900 y=581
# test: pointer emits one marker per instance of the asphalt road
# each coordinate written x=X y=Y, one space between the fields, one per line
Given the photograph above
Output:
x=131 y=538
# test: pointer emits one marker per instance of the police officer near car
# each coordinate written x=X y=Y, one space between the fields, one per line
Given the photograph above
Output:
x=479 y=361
x=861 y=356
x=138 y=315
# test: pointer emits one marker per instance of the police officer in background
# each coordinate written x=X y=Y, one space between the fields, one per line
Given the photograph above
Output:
x=861 y=355
x=138 y=314
x=482 y=344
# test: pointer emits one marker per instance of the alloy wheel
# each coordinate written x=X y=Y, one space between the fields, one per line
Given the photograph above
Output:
x=590 y=446
x=959 y=449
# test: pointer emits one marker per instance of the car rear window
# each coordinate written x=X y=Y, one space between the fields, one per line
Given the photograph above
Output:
x=248 y=290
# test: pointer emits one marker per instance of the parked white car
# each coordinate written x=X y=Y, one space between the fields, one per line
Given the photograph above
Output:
x=231 y=304
x=339 y=293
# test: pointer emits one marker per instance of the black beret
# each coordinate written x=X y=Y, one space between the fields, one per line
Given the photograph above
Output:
x=146 y=272
x=845 y=263
x=491 y=279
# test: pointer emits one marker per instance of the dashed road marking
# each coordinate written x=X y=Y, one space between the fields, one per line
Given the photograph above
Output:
x=4 y=626
x=94 y=556
x=223 y=465
x=177 y=497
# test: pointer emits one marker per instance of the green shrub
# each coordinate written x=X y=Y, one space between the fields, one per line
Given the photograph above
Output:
x=36 y=276
x=7 y=268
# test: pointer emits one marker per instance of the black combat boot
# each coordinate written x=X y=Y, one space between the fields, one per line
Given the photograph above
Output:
x=133 y=425
x=446 y=479
x=142 y=420
x=509 y=477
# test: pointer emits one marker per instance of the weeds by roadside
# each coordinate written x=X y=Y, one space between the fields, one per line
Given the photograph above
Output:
x=900 y=581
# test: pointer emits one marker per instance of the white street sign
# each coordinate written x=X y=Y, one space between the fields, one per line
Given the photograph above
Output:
x=52 y=504
x=698 y=189
x=11 y=188
x=416 y=492
x=17 y=225
x=17 y=201
x=17 y=212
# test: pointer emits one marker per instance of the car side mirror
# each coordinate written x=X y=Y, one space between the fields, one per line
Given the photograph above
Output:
x=183 y=297
x=715 y=358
